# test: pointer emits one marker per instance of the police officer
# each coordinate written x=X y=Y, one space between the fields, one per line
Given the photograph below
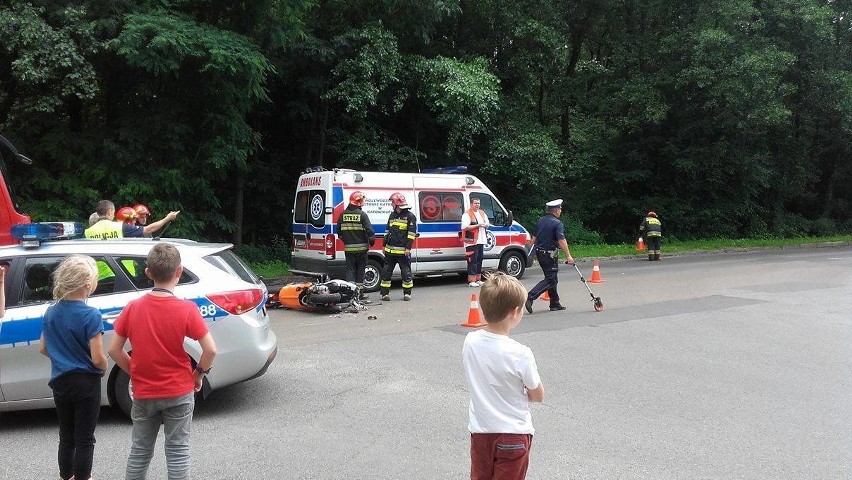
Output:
x=652 y=230
x=106 y=228
x=399 y=238
x=357 y=234
x=548 y=238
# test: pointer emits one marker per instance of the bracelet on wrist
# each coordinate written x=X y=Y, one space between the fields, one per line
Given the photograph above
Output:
x=202 y=371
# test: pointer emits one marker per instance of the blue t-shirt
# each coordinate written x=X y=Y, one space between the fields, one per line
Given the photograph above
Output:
x=548 y=231
x=68 y=327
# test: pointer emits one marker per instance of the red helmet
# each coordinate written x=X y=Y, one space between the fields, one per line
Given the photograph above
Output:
x=141 y=210
x=357 y=198
x=125 y=214
x=398 y=200
x=651 y=214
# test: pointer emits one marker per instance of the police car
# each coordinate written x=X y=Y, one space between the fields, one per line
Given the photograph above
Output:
x=230 y=297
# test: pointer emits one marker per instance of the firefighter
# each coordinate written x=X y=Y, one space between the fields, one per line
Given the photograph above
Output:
x=399 y=238
x=358 y=236
x=652 y=230
x=548 y=238
x=473 y=225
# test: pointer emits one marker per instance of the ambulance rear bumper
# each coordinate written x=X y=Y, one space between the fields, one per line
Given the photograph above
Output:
x=318 y=267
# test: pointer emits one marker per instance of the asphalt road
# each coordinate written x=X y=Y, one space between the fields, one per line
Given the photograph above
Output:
x=706 y=366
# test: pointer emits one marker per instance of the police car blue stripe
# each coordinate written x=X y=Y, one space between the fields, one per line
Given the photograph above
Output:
x=28 y=330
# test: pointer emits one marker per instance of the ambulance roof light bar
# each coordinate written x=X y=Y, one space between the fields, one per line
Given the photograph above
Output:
x=33 y=234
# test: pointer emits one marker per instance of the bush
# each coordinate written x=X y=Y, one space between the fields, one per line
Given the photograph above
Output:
x=276 y=250
x=823 y=227
x=575 y=232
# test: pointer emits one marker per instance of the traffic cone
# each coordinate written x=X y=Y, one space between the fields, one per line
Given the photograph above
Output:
x=474 y=318
x=596 y=274
x=545 y=296
x=640 y=245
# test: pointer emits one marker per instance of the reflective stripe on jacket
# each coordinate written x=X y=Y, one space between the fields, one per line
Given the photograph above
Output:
x=402 y=228
x=105 y=229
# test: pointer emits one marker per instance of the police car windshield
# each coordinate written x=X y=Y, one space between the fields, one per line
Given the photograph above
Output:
x=228 y=262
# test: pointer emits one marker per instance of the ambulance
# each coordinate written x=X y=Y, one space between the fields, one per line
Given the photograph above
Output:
x=437 y=199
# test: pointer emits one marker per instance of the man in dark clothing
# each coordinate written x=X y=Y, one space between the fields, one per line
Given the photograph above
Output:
x=652 y=230
x=399 y=238
x=548 y=238
x=358 y=236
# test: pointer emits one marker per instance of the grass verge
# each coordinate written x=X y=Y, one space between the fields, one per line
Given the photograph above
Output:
x=279 y=268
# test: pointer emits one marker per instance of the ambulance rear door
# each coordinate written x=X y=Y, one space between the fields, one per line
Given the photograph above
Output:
x=311 y=222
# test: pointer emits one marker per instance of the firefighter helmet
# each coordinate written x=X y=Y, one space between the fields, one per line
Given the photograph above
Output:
x=357 y=198
x=125 y=214
x=651 y=214
x=141 y=210
x=398 y=200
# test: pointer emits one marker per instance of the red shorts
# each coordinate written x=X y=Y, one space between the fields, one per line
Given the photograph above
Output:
x=499 y=456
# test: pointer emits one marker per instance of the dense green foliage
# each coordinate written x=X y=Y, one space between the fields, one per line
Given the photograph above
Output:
x=730 y=118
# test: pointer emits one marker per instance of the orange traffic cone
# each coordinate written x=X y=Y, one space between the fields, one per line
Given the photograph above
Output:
x=545 y=296
x=640 y=245
x=474 y=318
x=596 y=274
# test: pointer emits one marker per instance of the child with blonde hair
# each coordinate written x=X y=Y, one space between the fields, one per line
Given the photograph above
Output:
x=502 y=379
x=71 y=338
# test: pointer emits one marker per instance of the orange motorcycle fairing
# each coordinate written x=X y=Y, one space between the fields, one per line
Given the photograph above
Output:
x=291 y=294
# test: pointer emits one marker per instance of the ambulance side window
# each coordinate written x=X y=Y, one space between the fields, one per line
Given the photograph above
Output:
x=310 y=208
x=496 y=214
x=440 y=207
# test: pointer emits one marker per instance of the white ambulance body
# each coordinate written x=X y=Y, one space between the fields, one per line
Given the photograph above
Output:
x=438 y=201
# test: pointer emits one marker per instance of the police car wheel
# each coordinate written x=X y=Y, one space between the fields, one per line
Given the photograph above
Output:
x=121 y=394
x=372 y=275
x=513 y=264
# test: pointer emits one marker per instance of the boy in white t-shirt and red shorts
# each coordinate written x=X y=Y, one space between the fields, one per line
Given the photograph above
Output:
x=502 y=378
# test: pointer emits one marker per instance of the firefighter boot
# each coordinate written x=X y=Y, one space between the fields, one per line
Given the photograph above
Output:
x=650 y=257
x=657 y=256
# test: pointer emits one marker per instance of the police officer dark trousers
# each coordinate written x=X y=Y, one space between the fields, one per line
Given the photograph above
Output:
x=399 y=238
x=357 y=235
x=548 y=238
x=652 y=229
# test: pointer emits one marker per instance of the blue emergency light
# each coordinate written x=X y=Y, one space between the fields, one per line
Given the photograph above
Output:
x=32 y=234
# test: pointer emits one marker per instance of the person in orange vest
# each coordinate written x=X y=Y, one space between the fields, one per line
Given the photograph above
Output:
x=652 y=230
x=473 y=225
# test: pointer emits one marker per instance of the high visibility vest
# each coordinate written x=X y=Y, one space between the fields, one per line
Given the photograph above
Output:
x=105 y=229
x=470 y=237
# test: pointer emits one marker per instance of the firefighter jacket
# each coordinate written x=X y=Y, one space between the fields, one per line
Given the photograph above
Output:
x=402 y=228
x=355 y=230
x=651 y=227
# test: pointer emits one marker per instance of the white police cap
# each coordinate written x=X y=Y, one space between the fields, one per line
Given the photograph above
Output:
x=554 y=203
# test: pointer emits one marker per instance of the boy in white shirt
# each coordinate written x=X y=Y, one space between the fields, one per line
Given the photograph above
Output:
x=502 y=378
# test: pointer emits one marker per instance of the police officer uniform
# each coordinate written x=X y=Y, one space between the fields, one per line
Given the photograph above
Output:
x=652 y=230
x=106 y=229
x=548 y=240
x=357 y=235
x=401 y=231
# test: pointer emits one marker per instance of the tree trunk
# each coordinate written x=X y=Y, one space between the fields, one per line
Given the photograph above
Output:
x=238 y=208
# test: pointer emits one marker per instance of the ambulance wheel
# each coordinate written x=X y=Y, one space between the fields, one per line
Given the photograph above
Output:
x=372 y=275
x=121 y=391
x=513 y=264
